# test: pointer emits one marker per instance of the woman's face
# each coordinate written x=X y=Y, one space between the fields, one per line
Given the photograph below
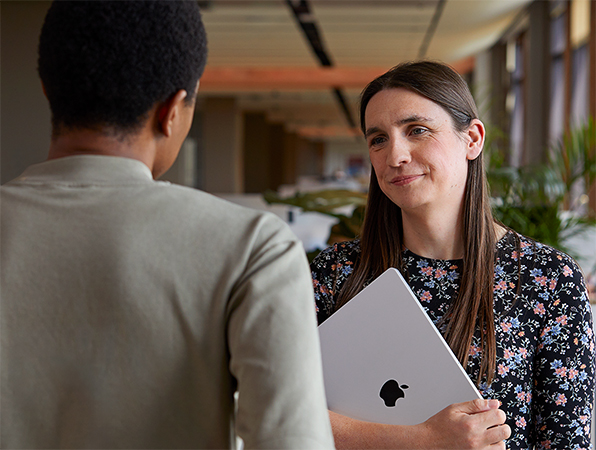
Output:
x=420 y=160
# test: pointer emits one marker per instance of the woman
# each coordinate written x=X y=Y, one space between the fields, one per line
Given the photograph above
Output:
x=428 y=214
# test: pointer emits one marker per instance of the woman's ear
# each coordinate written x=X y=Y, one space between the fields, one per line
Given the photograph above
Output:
x=169 y=112
x=475 y=139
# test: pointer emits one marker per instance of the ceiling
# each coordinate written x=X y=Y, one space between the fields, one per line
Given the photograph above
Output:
x=260 y=52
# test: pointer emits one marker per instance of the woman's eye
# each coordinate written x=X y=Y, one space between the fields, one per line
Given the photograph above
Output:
x=417 y=131
x=377 y=140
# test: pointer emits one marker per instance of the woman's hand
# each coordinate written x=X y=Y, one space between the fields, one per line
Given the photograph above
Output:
x=477 y=424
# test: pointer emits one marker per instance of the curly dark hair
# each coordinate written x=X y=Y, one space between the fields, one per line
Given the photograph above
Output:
x=107 y=63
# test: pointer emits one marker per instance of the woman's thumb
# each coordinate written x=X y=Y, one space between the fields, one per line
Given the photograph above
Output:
x=479 y=405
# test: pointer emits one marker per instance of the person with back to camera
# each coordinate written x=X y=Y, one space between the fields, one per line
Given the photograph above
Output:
x=515 y=312
x=132 y=310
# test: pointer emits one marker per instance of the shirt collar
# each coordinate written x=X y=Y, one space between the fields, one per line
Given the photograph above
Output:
x=88 y=169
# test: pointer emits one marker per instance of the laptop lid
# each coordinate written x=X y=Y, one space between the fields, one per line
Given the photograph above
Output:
x=384 y=360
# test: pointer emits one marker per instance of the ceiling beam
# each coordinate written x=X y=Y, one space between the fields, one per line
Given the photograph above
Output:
x=238 y=79
x=307 y=22
x=432 y=27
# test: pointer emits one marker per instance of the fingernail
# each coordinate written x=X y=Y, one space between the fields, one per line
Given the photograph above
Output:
x=494 y=403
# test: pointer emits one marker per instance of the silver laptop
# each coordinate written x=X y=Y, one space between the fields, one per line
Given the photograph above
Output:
x=384 y=361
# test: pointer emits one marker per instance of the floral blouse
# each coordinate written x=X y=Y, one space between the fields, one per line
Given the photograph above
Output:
x=545 y=340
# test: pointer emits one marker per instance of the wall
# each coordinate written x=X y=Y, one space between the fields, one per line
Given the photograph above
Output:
x=24 y=112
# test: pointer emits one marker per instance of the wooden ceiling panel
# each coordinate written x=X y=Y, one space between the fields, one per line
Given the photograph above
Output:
x=459 y=39
x=258 y=52
x=364 y=35
x=253 y=33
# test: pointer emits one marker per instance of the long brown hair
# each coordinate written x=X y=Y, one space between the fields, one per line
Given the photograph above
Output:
x=381 y=240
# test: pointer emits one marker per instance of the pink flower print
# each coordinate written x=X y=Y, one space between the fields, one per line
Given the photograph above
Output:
x=501 y=286
x=561 y=399
x=474 y=350
x=540 y=280
x=514 y=255
x=521 y=422
x=524 y=245
x=521 y=396
x=426 y=296
x=583 y=419
x=544 y=331
x=561 y=371
x=427 y=271
x=523 y=352
x=553 y=284
x=539 y=309
x=546 y=444
x=440 y=273
x=562 y=320
x=567 y=271
x=572 y=373
x=508 y=354
x=506 y=326
x=502 y=370
x=529 y=397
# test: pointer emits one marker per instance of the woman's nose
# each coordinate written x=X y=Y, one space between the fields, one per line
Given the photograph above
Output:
x=398 y=154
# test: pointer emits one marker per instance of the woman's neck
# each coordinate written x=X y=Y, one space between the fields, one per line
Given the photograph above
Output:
x=438 y=237
x=433 y=236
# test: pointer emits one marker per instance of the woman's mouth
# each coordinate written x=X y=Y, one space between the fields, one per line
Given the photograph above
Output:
x=402 y=180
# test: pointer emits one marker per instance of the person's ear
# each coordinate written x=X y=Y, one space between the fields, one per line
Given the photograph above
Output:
x=169 y=112
x=475 y=139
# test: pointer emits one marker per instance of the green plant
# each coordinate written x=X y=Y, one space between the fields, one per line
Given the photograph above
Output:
x=533 y=200
x=573 y=158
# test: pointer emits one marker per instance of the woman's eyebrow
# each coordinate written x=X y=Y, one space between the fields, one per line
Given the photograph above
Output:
x=370 y=131
x=413 y=118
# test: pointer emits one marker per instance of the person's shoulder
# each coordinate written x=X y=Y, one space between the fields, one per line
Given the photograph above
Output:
x=543 y=254
x=339 y=252
x=342 y=249
x=209 y=211
x=544 y=265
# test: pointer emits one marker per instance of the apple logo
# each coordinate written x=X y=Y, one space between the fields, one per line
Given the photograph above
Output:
x=392 y=391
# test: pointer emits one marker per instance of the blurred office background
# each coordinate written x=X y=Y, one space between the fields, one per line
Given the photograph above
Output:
x=277 y=106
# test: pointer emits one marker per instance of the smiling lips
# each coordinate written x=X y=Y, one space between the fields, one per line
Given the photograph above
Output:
x=404 y=179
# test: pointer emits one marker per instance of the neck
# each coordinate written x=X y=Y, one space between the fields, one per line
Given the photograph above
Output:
x=99 y=142
x=435 y=236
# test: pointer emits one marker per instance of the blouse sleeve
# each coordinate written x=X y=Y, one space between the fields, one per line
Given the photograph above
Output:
x=329 y=271
x=322 y=271
x=564 y=366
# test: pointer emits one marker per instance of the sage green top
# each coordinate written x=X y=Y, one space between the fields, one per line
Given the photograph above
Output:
x=132 y=310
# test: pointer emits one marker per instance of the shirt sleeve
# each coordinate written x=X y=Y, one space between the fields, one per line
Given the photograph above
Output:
x=274 y=349
x=323 y=281
x=564 y=368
